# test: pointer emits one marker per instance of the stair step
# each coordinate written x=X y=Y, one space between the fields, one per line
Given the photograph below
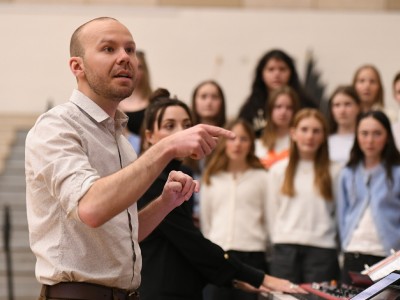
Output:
x=13 y=186
x=17 y=180
x=13 y=131
x=12 y=189
x=23 y=262
x=14 y=199
x=26 y=287
x=15 y=164
x=18 y=121
x=15 y=171
x=17 y=217
x=17 y=153
x=19 y=240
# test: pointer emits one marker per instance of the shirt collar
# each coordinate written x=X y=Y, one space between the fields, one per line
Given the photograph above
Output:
x=95 y=111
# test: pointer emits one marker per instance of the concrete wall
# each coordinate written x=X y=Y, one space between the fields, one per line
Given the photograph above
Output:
x=185 y=45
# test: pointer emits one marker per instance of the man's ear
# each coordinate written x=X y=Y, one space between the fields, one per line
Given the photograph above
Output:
x=76 y=65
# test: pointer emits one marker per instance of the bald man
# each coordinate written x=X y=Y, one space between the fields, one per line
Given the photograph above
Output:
x=83 y=177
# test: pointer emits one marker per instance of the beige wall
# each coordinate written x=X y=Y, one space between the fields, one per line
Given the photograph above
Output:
x=290 y=4
x=185 y=45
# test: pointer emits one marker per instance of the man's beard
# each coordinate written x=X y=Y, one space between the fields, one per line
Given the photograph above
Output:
x=101 y=88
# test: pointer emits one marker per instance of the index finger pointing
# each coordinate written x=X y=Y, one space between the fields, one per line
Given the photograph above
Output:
x=219 y=131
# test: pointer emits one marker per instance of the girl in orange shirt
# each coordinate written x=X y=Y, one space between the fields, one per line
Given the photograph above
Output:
x=275 y=140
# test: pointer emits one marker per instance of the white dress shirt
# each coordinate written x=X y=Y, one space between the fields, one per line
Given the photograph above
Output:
x=68 y=149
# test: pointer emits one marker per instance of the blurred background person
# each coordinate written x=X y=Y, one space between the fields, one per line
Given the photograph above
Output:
x=177 y=260
x=274 y=143
x=208 y=107
x=275 y=69
x=368 y=85
x=301 y=205
x=369 y=196
x=344 y=107
x=208 y=104
x=135 y=105
x=233 y=204
x=396 y=95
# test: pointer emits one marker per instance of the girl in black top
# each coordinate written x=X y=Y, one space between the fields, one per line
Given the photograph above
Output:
x=275 y=69
x=177 y=260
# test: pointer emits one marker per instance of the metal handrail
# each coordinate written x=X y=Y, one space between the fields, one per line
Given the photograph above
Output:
x=7 y=251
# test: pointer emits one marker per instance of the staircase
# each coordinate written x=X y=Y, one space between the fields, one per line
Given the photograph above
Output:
x=13 y=130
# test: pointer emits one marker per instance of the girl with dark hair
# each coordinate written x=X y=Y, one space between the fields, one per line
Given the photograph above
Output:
x=396 y=95
x=274 y=69
x=135 y=105
x=369 y=195
x=177 y=260
x=396 y=88
x=236 y=221
x=274 y=143
x=301 y=205
x=344 y=107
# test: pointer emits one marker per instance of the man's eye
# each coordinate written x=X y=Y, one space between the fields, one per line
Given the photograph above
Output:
x=108 y=49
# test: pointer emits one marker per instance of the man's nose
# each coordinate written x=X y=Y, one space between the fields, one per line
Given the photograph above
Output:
x=123 y=56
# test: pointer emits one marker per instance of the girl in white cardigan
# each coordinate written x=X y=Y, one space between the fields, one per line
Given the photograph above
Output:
x=344 y=107
x=233 y=204
x=301 y=205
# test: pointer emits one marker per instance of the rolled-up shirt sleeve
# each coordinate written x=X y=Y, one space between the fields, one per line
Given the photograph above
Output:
x=59 y=164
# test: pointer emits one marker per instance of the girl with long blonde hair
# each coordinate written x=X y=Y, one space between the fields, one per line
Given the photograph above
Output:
x=233 y=204
x=301 y=205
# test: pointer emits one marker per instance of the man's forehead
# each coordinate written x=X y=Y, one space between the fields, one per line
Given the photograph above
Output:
x=105 y=30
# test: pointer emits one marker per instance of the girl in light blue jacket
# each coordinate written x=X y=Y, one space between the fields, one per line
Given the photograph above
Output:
x=369 y=195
